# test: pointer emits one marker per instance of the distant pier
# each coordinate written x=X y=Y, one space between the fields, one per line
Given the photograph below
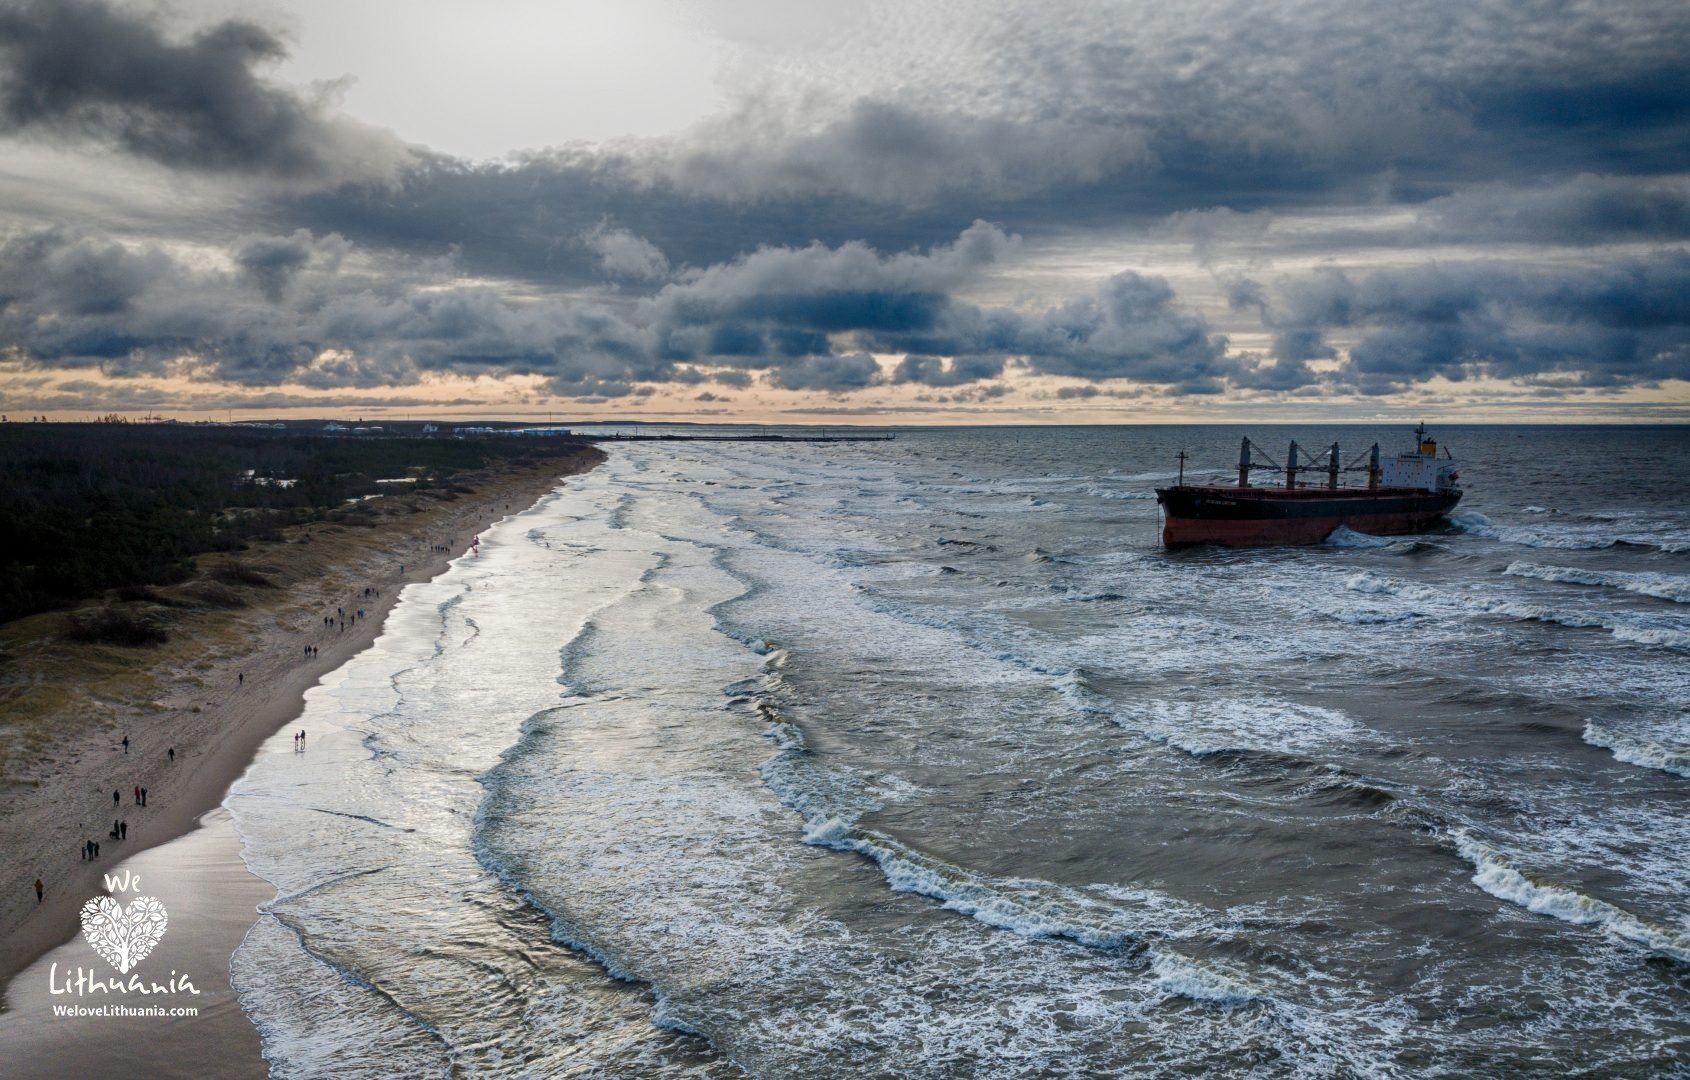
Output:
x=887 y=436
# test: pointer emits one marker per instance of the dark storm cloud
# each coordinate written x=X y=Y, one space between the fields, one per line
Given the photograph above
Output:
x=1529 y=122
x=1131 y=329
x=74 y=301
x=85 y=69
x=1625 y=322
x=834 y=374
x=827 y=288
x=75 y=276
x=891 y=153
x=310 y=309
x=933 y=371
x=1585 y=209
x=781 y=307
x=529 y=219
x=270 y=263
x=785 y=303
x=1036 y=119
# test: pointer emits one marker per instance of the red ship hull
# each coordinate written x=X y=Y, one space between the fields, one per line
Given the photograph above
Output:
x=1252 y=517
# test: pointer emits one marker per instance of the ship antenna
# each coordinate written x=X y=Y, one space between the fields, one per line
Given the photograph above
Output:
x=1181 y=456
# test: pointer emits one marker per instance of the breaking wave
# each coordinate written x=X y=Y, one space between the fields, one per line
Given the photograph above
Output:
x=1477 y=524
x=1345 y=537
x=1495 y=875
x=1637 y=750
x=1646 y=583
x=1203 y=729
x=1621 y=628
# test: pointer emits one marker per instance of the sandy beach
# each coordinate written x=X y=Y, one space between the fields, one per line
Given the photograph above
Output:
x=210 y=896
x=237 y=681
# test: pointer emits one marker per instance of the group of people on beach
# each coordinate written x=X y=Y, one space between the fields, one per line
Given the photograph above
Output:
x=119 y=826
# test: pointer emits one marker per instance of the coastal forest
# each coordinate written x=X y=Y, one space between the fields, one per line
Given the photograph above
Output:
x=88 y=508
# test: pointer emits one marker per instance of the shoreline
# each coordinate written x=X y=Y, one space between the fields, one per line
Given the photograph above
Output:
x=212 y=899
x=216 y=733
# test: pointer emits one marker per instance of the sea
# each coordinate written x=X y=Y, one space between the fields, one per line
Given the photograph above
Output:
x=923 y=758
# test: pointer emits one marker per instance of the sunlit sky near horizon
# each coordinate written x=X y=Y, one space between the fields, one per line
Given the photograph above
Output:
x=846 y=212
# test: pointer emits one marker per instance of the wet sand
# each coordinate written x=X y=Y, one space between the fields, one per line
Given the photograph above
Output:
x=260 y=689
x=211 y=901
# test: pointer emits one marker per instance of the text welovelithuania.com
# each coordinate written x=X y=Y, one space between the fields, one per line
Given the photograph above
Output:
x=125 y=1010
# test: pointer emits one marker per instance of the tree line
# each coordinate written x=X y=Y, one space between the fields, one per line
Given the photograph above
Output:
x=89 y=507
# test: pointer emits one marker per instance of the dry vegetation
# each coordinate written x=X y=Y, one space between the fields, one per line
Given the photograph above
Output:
x=67 y=675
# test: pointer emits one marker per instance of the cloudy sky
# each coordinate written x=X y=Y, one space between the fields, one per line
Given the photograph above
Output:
x=847 y=211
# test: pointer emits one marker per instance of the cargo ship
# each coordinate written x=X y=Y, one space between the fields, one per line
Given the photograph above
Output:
x=1403 y=494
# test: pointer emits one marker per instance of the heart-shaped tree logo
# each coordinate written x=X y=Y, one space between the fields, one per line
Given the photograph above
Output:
x=123 y=935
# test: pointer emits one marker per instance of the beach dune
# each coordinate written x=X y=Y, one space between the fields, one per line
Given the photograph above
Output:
x=235 y=679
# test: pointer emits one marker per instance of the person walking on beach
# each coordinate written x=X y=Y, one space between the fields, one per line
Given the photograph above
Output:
x=123 y=830
x=172 y=753
x=38 y=889
x=240 y=679
x=143 y=796
x=137 y=794
x=115 y=797
x=96 y=849
x=126 y=744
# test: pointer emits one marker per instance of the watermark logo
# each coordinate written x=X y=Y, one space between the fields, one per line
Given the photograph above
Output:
x=123 y=934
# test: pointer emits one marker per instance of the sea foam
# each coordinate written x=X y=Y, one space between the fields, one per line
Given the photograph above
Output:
x=1646 y=583
x=1497 y=876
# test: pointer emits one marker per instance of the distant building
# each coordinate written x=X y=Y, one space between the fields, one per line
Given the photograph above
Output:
x=429 y=429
